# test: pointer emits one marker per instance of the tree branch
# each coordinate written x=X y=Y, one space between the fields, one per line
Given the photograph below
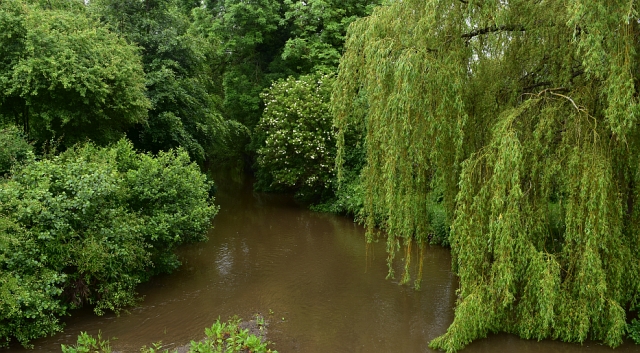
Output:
x=492 y=29
x=548 y=83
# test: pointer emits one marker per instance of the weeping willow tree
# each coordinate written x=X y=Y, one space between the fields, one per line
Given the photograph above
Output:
x=522 y=118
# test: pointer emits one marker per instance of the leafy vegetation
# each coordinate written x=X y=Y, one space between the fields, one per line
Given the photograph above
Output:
x=297 y=153
x=521 y=119
x=634 y=330
x=87 y=343
x=266 y=40
x=318 y=29
x=227 y=337
x=221 y=337
x=248 y=39
x=180 y=81
x=64 y=76
x=87 y=226
x=299 y=150
x=13 y=148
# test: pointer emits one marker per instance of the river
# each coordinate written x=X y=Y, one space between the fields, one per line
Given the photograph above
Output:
x=308 y=274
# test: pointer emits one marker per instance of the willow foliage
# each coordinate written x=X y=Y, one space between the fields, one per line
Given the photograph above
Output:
x=522 y=116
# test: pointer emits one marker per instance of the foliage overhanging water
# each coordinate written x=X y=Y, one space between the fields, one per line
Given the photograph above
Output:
x=308 y=274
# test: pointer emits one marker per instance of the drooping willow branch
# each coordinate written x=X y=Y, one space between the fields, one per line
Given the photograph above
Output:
x=543 y=222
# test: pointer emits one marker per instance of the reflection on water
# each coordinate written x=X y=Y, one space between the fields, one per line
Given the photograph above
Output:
x=224 y=260
x=311 y=271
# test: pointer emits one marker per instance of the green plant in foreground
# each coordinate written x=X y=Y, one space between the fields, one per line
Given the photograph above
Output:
x=87 y=343
x=155 y=347
x=228 y=336
x=221 y=337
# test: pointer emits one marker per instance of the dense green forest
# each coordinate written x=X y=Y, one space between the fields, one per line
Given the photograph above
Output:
x=505 y=130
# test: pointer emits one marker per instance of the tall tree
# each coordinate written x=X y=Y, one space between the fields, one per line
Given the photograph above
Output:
x=250 y=41
x=317 y=31
x=299 y=149
x=63 y=75
x=265 y=40
x=184 y=105
x=522 y=117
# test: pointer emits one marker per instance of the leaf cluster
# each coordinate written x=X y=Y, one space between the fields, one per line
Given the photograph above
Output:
x=259 y=42
x=87 y=343
x=13 y=148
x=318 y=29
x=180 y=77
x=221 y=337
x=228 y=337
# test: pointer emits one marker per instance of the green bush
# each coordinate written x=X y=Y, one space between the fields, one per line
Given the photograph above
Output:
x=633 y=330
x=221 y=337
x=348 y=198
x=87 y=226
x=13 y=148
x=299 y=143
x=87 y=343
x=65 y=76
x=228 y=337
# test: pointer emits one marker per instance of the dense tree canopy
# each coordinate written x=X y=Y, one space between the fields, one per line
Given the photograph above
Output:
x=294 y=120
x=64 y=76
x=520 y=118
x=261 y=41
x=249 y=38
x=180 y=80
x=318 y=28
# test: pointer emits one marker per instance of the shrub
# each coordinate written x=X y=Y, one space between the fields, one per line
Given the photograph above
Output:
x=87 y=343
x=87 y=226
x=299 y=143
x=221 y=337
x=13 y=148
x=228 y=337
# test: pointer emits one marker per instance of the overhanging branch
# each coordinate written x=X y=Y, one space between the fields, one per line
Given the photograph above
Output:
x=492 y=29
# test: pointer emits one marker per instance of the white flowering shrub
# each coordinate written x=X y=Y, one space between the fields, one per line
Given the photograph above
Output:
x=299 y=142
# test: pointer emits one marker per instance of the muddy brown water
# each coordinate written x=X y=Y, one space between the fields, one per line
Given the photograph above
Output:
x=308 y=274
